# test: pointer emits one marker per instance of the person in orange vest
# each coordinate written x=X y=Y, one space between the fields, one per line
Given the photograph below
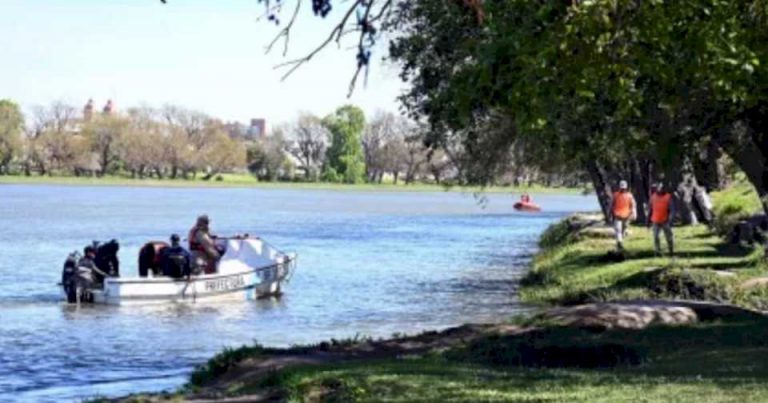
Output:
x=623 y=210
x=661 y=214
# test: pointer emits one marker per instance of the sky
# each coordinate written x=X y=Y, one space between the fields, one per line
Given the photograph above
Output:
x=207 y=55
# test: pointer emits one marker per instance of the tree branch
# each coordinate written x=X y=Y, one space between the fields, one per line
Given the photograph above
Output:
x=286 y=31
x=335 y=33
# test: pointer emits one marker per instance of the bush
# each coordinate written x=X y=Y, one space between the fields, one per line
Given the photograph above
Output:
x=702 y=285
x=557 y=234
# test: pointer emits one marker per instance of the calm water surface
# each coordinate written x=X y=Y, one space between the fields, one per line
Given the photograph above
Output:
x=369 y=263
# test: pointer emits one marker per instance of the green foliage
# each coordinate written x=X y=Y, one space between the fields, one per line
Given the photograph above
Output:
x=589 y=81
x=734 y=204
x=345 y=155
x=11 y=126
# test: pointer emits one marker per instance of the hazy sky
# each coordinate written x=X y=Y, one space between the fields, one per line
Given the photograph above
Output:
x=202 y=54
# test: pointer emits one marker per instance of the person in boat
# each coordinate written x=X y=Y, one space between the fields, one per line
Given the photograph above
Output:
x=88 y=261
x=623 y=210
x=175 y=261
x=202 y=242
x=661 y=214
x=525 y=198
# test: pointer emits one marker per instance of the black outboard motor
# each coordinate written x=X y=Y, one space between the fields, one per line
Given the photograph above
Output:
x=68 y=277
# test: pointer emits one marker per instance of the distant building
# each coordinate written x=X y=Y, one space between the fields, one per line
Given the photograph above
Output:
x=255 y=130
x=258 y=128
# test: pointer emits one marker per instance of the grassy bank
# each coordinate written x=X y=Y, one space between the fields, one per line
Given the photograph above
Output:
x=659 y=364
x=245 y=180
x=574 y=265
x=712 y=361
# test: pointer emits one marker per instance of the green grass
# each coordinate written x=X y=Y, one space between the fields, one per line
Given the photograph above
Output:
x=707 y=362
x=740 y=198
x=577 y=269
x=736 y=203
x=245 y=180
x=581 y=272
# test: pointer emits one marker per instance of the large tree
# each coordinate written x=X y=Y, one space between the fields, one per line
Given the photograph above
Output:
x=104 y=133
x=309 y=142
x=623 y=88
x=11 y=129
x=344 y=158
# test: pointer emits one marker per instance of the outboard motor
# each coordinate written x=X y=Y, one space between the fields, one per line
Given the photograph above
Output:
x=68 y=280
x=77 y=282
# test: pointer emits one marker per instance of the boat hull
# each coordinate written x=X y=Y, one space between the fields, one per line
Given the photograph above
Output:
x=245 y=285
x=529 y=207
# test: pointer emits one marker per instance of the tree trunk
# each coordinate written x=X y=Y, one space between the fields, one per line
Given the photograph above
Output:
x=601 y=185
x=641 y=171
x=210 y=175
x=710 y=168
x=104 y=162
x=748 y=148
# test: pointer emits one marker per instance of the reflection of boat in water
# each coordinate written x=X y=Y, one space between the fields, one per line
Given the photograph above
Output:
x=250 y=268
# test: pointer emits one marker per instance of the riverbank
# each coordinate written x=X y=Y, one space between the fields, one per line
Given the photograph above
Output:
x=638 y=328
x=682 y=353
x=248 y=181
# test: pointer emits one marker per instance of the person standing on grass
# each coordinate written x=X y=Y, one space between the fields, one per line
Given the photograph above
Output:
x=623 y=210
x=661 y=215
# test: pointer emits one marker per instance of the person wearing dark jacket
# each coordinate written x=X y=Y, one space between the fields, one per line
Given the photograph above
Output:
x=175 y=261
x=88 y=261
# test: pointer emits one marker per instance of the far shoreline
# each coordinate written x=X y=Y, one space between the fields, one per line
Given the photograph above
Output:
x=248 y=182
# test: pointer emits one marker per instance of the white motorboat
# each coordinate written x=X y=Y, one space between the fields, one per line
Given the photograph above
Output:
x=250 y=268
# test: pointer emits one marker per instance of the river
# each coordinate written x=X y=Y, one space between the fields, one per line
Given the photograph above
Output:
x=370 y=263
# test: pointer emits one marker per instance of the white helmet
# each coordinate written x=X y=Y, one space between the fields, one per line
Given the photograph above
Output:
x=623 y=185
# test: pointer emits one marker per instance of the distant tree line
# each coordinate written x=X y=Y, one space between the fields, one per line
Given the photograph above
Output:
x=344 y=147
x=173 y=142
x=168 y=142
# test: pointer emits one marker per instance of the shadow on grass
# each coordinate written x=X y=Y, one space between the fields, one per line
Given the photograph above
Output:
x=699 y=350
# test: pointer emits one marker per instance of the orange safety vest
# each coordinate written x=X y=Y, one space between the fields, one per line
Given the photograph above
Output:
x=660 y=205
x=622 y=205
x=193 y=244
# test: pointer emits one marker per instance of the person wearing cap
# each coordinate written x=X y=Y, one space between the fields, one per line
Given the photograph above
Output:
x=623 y=210
x=661 y=214
x=201 y=242
x=175 y=261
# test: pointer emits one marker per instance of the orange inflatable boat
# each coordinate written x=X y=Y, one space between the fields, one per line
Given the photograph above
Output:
x=529 y=207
